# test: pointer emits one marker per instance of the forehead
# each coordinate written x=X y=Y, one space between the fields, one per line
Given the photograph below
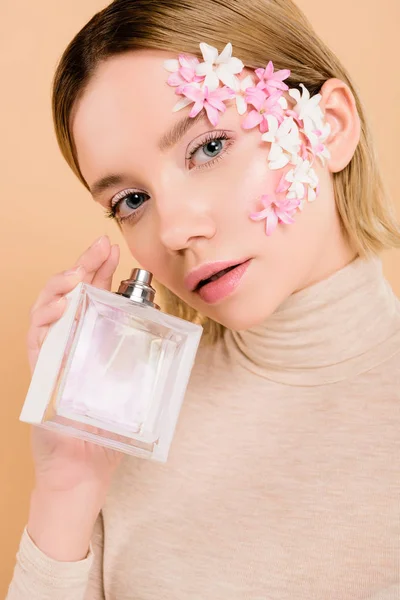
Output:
x=128 y=98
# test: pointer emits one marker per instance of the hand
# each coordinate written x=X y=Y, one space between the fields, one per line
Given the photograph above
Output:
x=61 y=462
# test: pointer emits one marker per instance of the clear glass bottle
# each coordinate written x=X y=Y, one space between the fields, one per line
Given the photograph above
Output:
x=114 y=369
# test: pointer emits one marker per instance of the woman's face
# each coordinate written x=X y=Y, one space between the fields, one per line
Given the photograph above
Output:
x=183 y=203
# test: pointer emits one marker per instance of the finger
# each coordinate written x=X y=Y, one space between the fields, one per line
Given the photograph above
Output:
x=58 y=285
x=48 y=313
x=103 y=277
x=93 y=258
x=41 y=320
x=34 y=341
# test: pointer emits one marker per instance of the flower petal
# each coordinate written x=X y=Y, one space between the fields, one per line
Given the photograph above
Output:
x=283 y=185
x=271 y=224
x=172 y=64
x=235 y=65
x=295 y=94
x=252 y=119
x=224 y=74
x=256 y=97
x=279 y=163
x=175 y=79
x=222 y=94
x=225 y=54
x=181 y=104
x=311 y=195
x=269 y=70
x=285 y=217
x=268 y=137
x=197 y=107
x=187 y=73
x=282 y=74
x=211 y=81
x=212 y=114
x=241 y=104
x=187 y=61
x=275 y=152
x=283 y=102
x=193 y=92
x=264 y=124
x=210 y=54
x=273 y=124
x=203 y=68
x=259 y=216
x=246 y=83
x=216 y=103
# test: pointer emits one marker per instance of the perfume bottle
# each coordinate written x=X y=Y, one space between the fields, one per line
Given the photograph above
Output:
x=114 y=369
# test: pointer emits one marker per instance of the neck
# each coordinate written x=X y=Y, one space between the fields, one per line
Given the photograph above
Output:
x=325 y=332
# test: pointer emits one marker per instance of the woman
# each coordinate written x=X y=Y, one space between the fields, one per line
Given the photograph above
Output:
x=282 y=479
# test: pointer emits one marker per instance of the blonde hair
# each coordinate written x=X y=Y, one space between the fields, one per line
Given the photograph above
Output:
x=259 y=30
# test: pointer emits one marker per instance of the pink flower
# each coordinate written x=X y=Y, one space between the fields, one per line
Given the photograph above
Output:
x=263 y=106
x=212 y=102
x=271 y=81
x=183 y=70
x=283 y=185
x=276 y=211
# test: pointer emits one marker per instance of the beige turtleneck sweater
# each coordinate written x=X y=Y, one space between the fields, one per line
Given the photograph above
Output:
x=283 y=480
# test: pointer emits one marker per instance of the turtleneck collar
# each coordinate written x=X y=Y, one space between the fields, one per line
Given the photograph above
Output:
x=328 y=332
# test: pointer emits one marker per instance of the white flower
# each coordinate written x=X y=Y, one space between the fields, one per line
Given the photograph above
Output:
x=308 y=108
x=283 y=102
x=285 y=141
x=312 y=186
x=219 y=67
x=240 y=90
x=301 y=176
x=317 y=138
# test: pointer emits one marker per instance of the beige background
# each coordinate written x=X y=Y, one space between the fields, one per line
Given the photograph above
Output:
x=47 y=217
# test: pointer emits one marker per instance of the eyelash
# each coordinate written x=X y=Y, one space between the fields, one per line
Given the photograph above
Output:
x=111 y=213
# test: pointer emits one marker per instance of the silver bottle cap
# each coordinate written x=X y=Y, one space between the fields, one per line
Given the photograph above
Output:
x=138 y=289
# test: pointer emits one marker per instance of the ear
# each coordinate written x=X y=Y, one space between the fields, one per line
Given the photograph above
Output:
x=341 y=113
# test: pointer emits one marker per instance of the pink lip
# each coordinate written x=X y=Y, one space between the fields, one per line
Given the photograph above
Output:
x=208 y=270
x=224 y=286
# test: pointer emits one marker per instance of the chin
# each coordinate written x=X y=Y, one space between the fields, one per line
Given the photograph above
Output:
x=243 y=314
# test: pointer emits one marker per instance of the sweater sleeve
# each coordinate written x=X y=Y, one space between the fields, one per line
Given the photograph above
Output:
x=39 y=577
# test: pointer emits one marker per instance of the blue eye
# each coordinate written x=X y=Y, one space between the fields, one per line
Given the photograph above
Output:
x=209 y=149
x=126 y=204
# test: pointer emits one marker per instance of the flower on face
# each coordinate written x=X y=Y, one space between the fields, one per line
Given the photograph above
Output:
x=307 y=108
x=317 y=138
x=212 y=101
x=296 y=133
x=218 y=67
x=183 y=70
x=264 y=105
x=275 y=211
x=271 y=81
x=302 y=178
x=284 y=139
x=241 y=92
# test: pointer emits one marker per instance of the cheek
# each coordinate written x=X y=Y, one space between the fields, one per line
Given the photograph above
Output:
x=245 y=179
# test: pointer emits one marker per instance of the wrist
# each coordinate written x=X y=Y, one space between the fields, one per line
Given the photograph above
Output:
x=60 y=523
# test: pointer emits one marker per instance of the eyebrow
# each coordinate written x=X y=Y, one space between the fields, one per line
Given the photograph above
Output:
x=167 y=141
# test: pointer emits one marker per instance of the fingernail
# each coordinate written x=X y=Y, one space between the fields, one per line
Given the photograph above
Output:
x=99 y=241
x=76 y=271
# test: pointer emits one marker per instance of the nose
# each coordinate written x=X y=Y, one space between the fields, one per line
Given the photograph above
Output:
x=185 y=217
